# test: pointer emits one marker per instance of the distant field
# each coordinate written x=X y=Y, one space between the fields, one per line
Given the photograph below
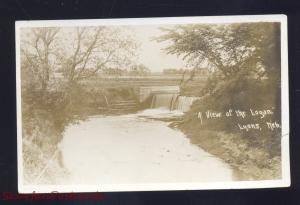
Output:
x=137 y=81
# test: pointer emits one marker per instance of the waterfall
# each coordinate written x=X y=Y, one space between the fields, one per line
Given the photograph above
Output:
x=184 y=103
x=163 y=100
x=173 y=102
x=146 y=91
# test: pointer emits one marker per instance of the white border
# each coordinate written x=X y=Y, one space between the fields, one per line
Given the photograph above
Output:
x=284 y=182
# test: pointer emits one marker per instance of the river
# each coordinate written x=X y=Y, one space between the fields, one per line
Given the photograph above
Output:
x=135 y=148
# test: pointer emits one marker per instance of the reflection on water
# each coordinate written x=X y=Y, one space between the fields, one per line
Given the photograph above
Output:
x=135 y=149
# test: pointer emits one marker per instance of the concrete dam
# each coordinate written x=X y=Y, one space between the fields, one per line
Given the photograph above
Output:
x=166 y=97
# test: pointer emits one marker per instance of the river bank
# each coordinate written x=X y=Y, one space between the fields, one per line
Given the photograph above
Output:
x=45 y=117
x=251 y=163
x=41 y=155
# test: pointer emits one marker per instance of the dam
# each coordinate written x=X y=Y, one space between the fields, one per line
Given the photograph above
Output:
x=166 y=97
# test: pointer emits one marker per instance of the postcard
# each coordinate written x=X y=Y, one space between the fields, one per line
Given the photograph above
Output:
x=144 y=104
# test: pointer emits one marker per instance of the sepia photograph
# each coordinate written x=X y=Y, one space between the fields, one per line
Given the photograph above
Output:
x=179 y=103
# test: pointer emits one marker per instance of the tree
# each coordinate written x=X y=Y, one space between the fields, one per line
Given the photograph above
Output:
x=227 y=49
x=78 y=53
x=37 y=54
x=113 y=71
x=139 y=70
x=93 y=49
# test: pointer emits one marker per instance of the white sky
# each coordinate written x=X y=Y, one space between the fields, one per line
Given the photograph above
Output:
x=151 y=53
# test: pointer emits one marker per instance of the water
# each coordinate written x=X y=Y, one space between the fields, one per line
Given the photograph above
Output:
x=147 y=91
x=184 y=103
x=173 y=102
x=163 y=100
x=135 y=149
x=166 y=97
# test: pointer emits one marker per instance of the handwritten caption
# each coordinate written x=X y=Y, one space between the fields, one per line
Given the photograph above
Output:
x=263 y=116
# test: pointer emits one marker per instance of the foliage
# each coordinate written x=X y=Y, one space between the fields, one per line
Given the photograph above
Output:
x=139 y=70
x=244 y=60
x=37 y=52
x=252 y=49
x=54 y=61
x=93 y=49
x=77 y=52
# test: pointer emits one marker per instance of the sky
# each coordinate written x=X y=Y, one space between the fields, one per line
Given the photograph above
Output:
x=151 y=53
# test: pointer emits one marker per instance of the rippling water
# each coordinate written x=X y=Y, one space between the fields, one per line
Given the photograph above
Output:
x=135 y=149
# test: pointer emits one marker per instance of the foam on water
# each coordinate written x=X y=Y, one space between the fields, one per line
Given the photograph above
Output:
x=159 y=113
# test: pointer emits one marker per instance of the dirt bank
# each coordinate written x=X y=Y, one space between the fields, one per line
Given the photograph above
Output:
x=250 y=163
